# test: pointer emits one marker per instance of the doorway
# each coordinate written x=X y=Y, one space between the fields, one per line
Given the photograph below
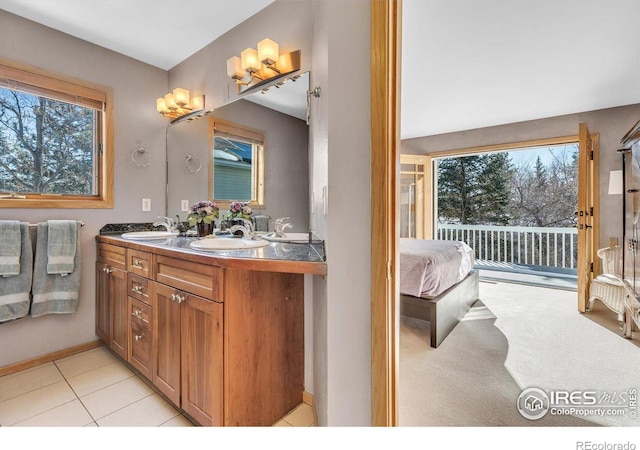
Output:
x=515 y=208
x=385 y=118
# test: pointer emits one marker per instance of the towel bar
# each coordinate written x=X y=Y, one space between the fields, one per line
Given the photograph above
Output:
x=35 y=224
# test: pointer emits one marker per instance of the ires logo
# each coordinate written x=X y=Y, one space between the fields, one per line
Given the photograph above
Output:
x=573 y=398
x=534 y=403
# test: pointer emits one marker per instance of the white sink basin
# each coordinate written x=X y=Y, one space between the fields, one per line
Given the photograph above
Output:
x=145 y=235
x=288 y=237
x=227 y=244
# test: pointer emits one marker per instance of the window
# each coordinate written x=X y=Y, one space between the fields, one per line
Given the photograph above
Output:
x=237 y=169
x=54 y=151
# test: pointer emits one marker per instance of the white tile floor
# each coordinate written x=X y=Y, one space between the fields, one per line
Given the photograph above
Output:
x=94 y=388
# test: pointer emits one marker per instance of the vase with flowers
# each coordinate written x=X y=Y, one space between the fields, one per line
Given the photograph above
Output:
x=202 y=215
x=238 y=211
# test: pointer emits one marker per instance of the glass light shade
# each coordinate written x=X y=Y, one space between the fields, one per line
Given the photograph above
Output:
x=170 y=102
x=250 y=60
x=161 y=106
x=181 y=96
x=234 y=67
x=268 y=51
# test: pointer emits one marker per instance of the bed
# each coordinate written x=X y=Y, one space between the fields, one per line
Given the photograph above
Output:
x=437 y=283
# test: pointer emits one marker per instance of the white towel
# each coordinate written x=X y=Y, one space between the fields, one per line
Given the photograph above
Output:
x=10 y=248
x=53 y=293
x=61 y=246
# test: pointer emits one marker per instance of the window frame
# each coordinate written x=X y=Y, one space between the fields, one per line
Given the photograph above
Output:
x=244 y=134
x=66 y=87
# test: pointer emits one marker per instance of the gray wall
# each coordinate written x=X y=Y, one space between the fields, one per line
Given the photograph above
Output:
x=340 y=157
x=288 y=22
x=611 y=124
x=135 y=87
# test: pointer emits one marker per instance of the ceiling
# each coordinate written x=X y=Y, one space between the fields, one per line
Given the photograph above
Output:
x=466 y=63
x=159 y=32
x=472 y=64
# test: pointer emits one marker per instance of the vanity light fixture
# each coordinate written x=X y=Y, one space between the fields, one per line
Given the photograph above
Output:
x=256 y=67
x=178 y=103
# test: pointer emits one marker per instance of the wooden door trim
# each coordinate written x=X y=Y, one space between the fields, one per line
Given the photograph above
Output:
x=505 y=146
x=385 y=157
x=595 y=180
x=589 y=204
x=424 y=221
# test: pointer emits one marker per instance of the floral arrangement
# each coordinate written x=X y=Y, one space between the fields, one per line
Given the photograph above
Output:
x=239 y=210
x=204 y=211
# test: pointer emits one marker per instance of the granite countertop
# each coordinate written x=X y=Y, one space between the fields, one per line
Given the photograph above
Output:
x=282 y=252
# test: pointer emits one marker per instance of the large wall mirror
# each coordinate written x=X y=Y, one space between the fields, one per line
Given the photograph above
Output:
x=254 y=148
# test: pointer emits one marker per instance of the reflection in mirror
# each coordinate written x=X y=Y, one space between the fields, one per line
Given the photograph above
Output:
x=284 y=162
x=238 y=164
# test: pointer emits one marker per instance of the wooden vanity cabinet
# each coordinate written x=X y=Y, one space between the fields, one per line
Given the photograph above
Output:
x=223 y=342
x=111 y=298
x=188 y=352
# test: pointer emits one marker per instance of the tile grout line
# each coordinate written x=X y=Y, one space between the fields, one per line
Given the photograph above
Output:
x=42 y=387
x=75 y=393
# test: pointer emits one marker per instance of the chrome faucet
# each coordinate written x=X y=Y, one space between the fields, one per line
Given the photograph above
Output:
x=246 y=228
x=169 y=224
x=280 y=226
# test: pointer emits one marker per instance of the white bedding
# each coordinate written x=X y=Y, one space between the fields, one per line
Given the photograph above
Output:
x=430 y=267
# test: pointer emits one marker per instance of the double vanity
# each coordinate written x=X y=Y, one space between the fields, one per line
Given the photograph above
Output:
x=219 y=332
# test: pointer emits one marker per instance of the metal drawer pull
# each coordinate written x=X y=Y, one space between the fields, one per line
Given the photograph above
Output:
x=137 y=313
x=177 y=298
x=137 y=289
x=136 y=263
x=137 y=337
x=107 y=269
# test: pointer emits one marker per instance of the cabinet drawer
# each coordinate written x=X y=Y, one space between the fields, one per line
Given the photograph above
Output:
x=112 y=255
x=140 y=349
x=198 y=279
x=140 y=263
x=138 y=287
x=140 y=313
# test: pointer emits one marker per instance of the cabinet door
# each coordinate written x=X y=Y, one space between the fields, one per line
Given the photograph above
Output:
x=103 y=311
x=119 y=312
x=202 y=359
x=166 y=341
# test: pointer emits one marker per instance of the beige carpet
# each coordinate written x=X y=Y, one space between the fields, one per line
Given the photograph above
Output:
x=552 y=346
x=538 y=340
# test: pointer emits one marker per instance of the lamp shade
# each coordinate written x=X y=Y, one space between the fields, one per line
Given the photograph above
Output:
x=234 y=68
x=250 y=60
x=181 y=96
x=615 y=182
x=161 y=106
x=170 y=102
x=268 y=51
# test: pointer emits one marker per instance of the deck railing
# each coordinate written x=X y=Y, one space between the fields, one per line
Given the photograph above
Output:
x=542 y=246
